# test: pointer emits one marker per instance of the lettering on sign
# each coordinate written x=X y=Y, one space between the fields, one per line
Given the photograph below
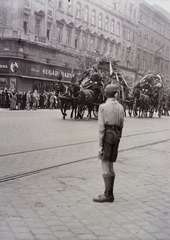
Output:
x=55 y=73
x=35 y=70
x=50 y=72
x=3 y=66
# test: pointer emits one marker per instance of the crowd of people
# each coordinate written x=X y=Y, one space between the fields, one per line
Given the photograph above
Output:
x=18 y=100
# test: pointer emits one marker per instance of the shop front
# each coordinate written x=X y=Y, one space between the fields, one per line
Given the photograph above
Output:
x=24 y=75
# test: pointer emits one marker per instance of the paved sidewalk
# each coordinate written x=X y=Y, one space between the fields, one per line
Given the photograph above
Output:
x=57 y=204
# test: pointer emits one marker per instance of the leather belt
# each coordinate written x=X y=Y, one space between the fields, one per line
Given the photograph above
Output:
x=111 y=127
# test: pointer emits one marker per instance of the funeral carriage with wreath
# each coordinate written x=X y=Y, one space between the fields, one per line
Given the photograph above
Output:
x=87 y=91
x=102 y=73
x=148 y=96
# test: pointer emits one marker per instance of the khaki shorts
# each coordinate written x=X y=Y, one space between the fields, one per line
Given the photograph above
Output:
x=110 y=146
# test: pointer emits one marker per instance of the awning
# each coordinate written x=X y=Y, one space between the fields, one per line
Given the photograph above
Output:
x=43 y=79
x=38 y=78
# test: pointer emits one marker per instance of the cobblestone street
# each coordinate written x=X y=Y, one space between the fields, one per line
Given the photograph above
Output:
x=57 y=203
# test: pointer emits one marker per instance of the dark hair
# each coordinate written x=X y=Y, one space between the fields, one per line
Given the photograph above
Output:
x=110 y=94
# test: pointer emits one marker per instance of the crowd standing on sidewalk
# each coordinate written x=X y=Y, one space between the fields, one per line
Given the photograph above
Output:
x=18 y=100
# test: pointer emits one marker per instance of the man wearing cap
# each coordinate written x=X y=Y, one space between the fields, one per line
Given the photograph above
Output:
x=110 y=125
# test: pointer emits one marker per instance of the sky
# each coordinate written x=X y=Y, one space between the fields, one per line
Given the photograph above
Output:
x=165 y=4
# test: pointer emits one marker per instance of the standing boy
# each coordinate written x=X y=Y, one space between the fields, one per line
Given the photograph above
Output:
x=110 y=125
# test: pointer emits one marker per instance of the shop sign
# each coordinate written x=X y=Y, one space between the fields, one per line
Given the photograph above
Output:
x=41 y=70
x=4 y=67
x=53 y=72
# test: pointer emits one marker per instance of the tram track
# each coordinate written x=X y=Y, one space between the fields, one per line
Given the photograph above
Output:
x=29 y=173
x=74 y=144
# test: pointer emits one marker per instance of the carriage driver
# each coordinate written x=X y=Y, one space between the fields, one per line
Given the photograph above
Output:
x=110 y=125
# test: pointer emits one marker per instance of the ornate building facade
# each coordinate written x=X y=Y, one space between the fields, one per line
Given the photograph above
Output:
x=40 y=38
x=153 y=47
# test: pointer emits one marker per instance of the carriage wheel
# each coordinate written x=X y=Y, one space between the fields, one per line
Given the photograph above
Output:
x=95 y=111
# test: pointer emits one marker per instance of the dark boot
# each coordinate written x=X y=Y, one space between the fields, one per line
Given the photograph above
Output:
x=108 y=194
x=113 y=180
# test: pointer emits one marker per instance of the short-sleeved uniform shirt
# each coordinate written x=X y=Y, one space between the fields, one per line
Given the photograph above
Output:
x=110 y=113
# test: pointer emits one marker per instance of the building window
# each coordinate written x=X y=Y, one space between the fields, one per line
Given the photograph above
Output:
x=117 y=52
x=78 y=10
x=166 y=69
x=111 y=49
x=139 y=37
x=86 y=14
x=68 y=37
x=69 y=9
x=48 y=30
x=60 y=4
x=112 y=26
x=128 y=56
x=133 y=37
x=76 y=41
x=59 y=31
x=145 y=40
x=123 y=54
x=48 y=34
x=150 y=63
x=125 y=8
x=130 y=9
x=140 y=16
x=100 y=20
x=99 y=41
x=92 y=43
x=167 y=52
x=151 y=47
x=93 y=19
x=118 y=29
x=135 y=14
x=25 y=26
x=105 y=47
x=128 y=35
x=124 y=32
x=84 y=41
x=144 y=64
x=162 y=67
x=138 y=60
x=37 y=26
x=106 y=27
x=25 y=23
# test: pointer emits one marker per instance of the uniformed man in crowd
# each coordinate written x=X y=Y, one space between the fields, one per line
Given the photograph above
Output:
x=110 y=125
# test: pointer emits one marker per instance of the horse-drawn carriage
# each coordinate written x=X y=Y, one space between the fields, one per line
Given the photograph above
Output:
x=104 y=72
x=87 y=92
x=148 y=96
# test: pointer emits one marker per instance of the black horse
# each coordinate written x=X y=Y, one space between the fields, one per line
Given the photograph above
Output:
x=64 y=97
x=141 y=103
x=86 y=99
x=129 y=103
x=74 y=90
